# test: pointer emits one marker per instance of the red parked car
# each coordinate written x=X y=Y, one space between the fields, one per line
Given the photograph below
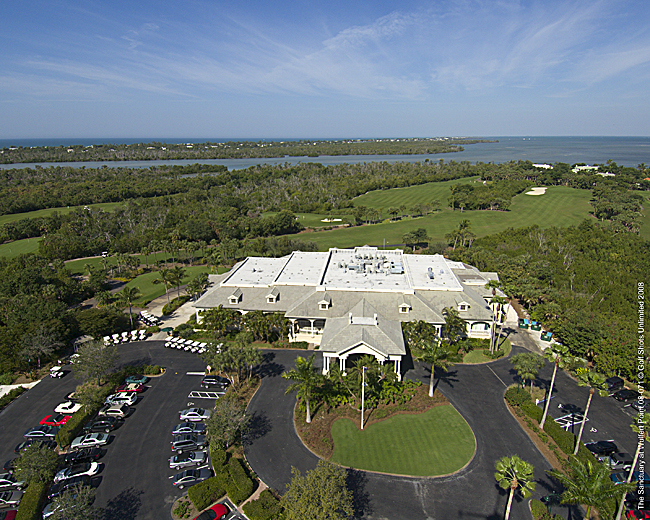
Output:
x=637 y=514
x=216 y=512
x=8 y=515
x=130 y=387
x=58 y=419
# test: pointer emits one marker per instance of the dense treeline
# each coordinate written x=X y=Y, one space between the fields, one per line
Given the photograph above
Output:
x=304 y=187
x=495 y=196
x=30 y=189
x=581 y=282
x=231 y=150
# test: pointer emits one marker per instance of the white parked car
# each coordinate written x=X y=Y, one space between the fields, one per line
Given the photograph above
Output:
x=77 y=470
x=195 y=414
x=89 y=440
x=67 y=408
x=127 y=398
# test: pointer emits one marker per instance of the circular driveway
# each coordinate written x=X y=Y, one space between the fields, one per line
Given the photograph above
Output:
x=273 y=447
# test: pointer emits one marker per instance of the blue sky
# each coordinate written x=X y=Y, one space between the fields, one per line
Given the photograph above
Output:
x=323 y=69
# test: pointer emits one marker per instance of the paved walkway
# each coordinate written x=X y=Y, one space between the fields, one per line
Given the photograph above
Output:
x=178 y=317
x=5 y=389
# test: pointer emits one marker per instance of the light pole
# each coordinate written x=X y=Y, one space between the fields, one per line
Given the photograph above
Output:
x=363 y=392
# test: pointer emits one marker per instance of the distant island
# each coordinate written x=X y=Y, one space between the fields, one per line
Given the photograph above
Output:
x=234 y=150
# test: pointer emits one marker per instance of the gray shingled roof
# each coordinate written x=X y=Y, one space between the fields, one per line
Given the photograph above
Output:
x=385 y=336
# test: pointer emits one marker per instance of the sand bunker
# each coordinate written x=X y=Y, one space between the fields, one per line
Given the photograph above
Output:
x=332 y=220
x=536 y=191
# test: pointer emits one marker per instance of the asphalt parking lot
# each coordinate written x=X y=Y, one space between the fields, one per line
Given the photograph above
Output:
x=134 y=482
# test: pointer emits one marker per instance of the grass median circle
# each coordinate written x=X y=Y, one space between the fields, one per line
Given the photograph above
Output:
x=434 y=443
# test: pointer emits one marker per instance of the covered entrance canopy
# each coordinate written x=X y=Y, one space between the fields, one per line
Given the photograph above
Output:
x=362 y=332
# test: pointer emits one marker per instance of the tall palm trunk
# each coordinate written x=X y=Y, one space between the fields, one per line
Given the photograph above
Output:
x=584 y=420
x=513 y=486
x=308 y=419
x=550 y=394
x=433 y=368
x=629 y=478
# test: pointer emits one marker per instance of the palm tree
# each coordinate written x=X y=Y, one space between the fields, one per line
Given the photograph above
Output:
x=177 y=275
x=640 y=427
x=587 y=483
x=165 y=279
x=527 y=366
x=497 y=304
x=557 y=354
x=126 y=297
x=434 y=352
x=307 y=381
x=514 y=473
x=454 y=325
x=594 y=381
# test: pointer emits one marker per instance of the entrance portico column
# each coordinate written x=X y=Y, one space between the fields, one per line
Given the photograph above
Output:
x=312 y=327
x=398 y=369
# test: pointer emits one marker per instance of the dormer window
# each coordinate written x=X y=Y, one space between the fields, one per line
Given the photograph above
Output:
x=462 y=306
x=235 y=297
x=404 y=308
x=325 y=303
x=273 y=296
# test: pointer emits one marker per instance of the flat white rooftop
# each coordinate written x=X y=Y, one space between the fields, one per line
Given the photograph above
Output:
x=256 y=271
x=359 y=269
x=303 y=269
x=431 y=273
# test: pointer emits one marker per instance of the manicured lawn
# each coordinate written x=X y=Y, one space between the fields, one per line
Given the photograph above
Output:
x=409 y=197
x=436 y=442
x=150 y=290
x=477 y=356
x=19 y=247
x=560 y=206
x=106 y=206
x=315 y=220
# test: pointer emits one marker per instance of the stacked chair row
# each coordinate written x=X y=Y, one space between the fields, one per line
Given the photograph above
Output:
x=125 y=337
x=187 y=344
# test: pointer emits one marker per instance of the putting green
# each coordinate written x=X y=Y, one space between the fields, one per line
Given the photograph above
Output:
x=436 y=442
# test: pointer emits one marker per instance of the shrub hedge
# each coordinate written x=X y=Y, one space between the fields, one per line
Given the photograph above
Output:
x=265 y=507
x=538 y=509
x=219 y=457
x=10 y=396
x=72 y=428
x=168 y=308
x=33 y=500
x=205 y=493
x=239 y=486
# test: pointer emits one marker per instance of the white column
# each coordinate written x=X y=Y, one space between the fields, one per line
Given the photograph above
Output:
x=398 y=369
x=312 y=327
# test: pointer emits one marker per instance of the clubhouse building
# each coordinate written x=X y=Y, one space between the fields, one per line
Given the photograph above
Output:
x=352 y=302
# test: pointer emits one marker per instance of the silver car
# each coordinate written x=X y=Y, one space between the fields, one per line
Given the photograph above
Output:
x=10 y=498
x=189 y=477
x=188 y=442
x=190 y=458
x=8 y=481
x=189 y=427
x=195 y=414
